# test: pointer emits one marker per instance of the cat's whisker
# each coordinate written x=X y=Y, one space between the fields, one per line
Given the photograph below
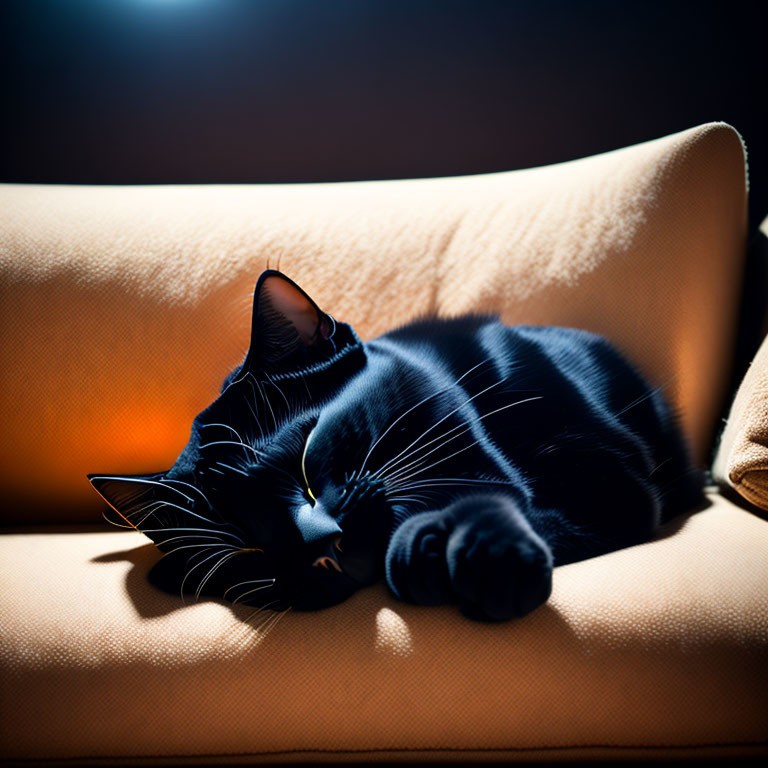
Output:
x=265 y=399
x=282 y=394
x=243 y=583
x=196 y=546
x=213 y=570
x=142 y=481
x=191 y=536
x=185 y=510
x=226 y=426
x=414 y=499
x=412 y=408
x=645 y=396
x=265 y=627
x=219 y=548
x=260 y=454
x=659 y=466
x=160 y=503
x=412 y=453
x=454 y=480
x=129 y=515
x=187 y=528
x=389 y=463
x=250 y=591
x=250 y=408
x=440 y=461
x=198 y=516
x=393 y=490
x=412 y=466
x=464 y=426
x=269 y=622
x=234 y=469
x=269 y=626
x=304 y=382
x=195 y=536
x=426 y=486
x=236 y=381
x=468 y=426
x=394 y=477
x=260 y=609
x=189 y=485
x=117 y=525
x=292 y=483
x=141 y=522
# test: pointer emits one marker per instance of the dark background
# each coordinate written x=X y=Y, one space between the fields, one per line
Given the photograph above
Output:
x=185 y=91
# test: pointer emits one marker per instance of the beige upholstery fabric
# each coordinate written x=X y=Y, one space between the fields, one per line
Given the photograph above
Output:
x=660 y=645
x=742 y=456
x=123 y=309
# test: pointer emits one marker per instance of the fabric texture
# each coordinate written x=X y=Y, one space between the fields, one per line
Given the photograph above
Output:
x=123 y=308
x=660 y=646
x=742 y=456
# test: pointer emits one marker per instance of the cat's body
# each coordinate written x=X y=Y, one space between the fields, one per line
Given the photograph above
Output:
x=460 y=459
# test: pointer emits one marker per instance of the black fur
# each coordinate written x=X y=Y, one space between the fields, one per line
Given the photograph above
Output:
x=459 y=459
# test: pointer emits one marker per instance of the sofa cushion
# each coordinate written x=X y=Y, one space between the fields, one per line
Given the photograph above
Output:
x=741 y=461
x=123 y=309
x=659 y=647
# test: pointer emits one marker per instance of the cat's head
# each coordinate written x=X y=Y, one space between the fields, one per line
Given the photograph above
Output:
x=267 y=504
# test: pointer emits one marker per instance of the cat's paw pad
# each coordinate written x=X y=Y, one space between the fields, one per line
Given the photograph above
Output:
x=499 y=568
x=416 y=570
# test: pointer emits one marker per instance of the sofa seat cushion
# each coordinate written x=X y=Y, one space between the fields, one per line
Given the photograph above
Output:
x=660 y=647
x=124 y=308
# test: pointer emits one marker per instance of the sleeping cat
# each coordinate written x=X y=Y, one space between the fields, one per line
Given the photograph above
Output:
x=459 y=459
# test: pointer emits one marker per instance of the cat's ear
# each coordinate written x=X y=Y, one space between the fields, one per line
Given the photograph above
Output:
x=149 y=503
x=288 y=329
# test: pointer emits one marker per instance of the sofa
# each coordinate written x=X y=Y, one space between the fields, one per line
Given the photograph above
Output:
x=123 y=309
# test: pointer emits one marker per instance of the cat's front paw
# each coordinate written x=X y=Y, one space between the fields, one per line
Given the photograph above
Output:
x=498 y=566
x=416 y=570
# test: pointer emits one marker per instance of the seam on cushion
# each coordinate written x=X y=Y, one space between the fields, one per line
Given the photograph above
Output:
x=739 y=473
x=401 y=750
x=754 y=493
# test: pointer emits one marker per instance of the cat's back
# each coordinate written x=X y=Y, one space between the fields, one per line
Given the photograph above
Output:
x=546 y=388
x=546 y=355
x=525 y=383
x=554 y=359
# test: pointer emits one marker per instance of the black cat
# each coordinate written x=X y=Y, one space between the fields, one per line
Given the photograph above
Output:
x=459 y=458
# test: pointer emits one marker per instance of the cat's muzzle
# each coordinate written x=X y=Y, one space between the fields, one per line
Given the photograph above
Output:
x=365 y=532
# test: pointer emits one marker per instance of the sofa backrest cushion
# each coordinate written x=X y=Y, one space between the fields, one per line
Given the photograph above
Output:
x=123 y=308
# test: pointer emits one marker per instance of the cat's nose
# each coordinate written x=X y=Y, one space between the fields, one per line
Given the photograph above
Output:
x=328 y=555
x=315 y=524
